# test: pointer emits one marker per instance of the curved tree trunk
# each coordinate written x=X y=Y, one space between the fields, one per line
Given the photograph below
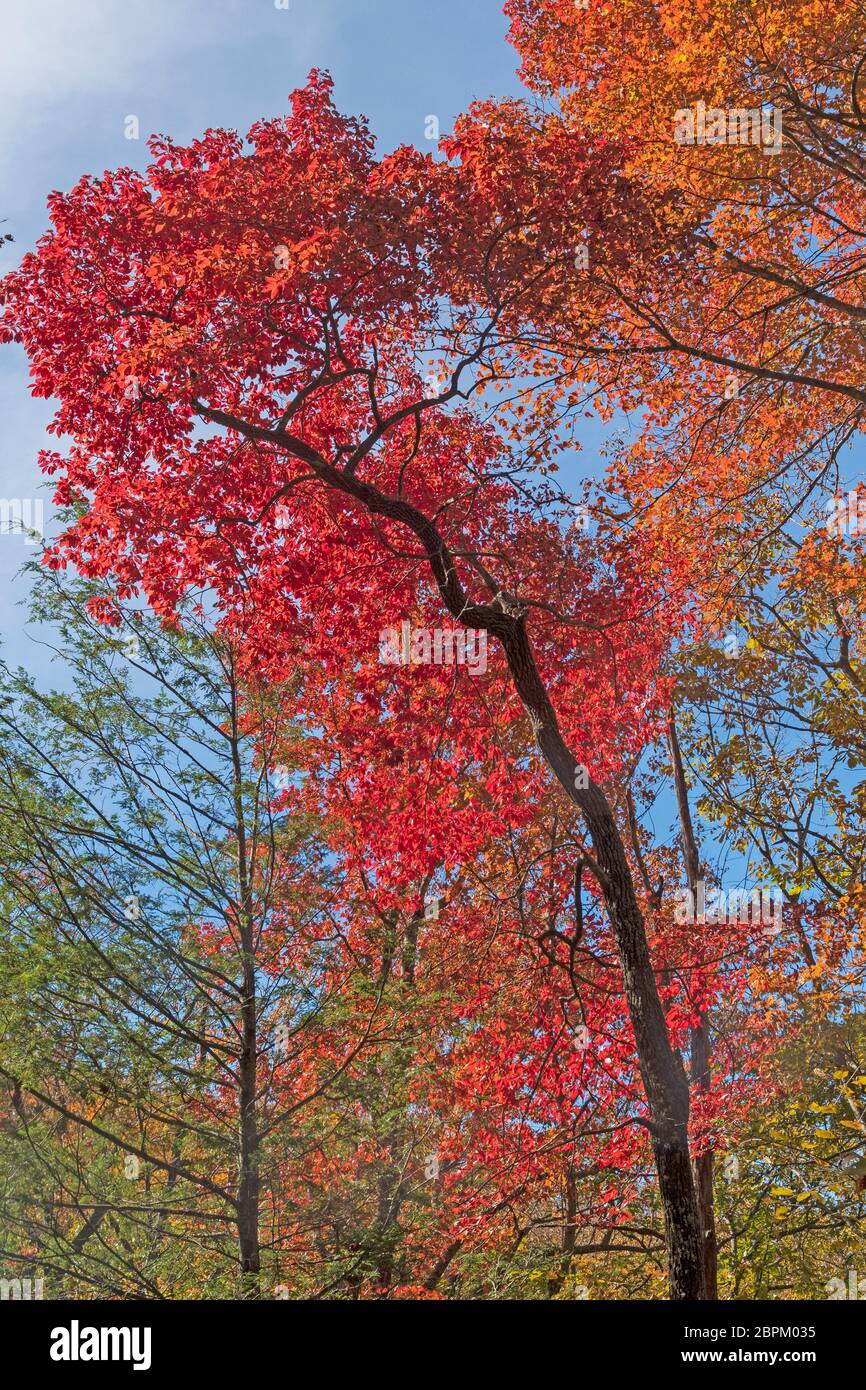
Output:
x=662 y=1073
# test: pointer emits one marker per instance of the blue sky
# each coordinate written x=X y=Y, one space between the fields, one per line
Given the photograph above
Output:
x=71 y=74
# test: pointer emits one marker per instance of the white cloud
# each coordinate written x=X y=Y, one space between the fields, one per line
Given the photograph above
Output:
x=62 y=61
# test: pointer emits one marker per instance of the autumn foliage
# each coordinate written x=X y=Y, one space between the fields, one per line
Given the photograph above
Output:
x=314 y=397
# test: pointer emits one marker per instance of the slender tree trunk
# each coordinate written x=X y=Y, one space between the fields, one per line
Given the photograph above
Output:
x=568 y=1239
x=248 y=1152
x=662 y=1073
x=664 y=1080
x=700 y=1035
x=249 y=1254
x=394 y=1180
